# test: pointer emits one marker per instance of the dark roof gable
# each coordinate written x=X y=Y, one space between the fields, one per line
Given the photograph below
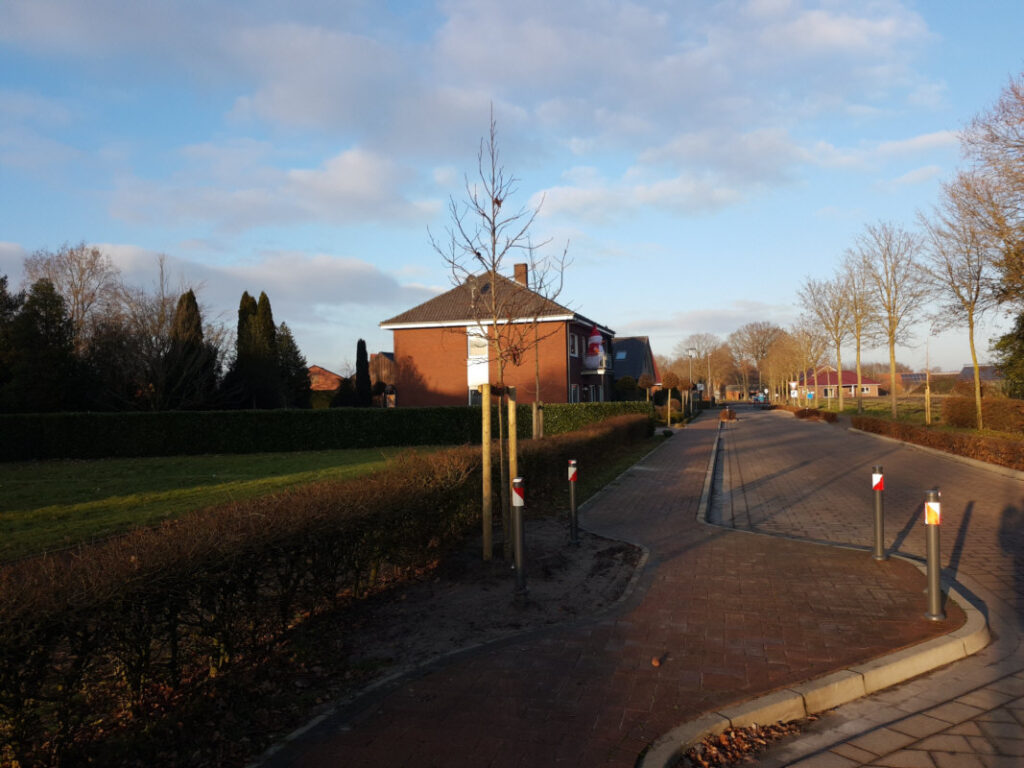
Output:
x=469 y=302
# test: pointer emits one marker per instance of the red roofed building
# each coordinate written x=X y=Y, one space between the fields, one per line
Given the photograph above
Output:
x=828 y=383
x=442 y=353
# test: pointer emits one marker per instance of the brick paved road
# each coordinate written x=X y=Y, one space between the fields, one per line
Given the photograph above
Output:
x=812 y=480
x=729 y=616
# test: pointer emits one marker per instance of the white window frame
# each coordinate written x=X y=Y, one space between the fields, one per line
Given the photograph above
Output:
x=574 y=345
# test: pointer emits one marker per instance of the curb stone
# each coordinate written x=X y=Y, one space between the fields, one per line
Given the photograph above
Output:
x=829 y=691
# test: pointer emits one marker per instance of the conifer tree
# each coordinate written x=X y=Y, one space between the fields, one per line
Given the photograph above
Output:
x=294 y=370
x=364 y=390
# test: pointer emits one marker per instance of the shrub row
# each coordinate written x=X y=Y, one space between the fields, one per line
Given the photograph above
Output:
x=999 y=413
x=102 y=435
x=144 y=622
x=994 y=450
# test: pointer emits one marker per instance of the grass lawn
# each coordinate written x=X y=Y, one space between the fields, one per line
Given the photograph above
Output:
x=54 y=504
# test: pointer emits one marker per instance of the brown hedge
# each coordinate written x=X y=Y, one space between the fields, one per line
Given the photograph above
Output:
x=994 y=450
x=90 y=635
x=1000 y=414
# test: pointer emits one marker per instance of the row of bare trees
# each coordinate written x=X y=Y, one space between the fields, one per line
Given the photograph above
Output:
x=965 y=259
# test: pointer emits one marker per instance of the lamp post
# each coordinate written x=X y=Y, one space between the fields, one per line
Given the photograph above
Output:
x=690 y=353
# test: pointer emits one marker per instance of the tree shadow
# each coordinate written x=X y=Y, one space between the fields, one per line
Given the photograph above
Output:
x=961 y=537
x=1011 y=540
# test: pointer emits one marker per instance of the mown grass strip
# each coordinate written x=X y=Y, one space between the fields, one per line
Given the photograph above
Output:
x=56 y=504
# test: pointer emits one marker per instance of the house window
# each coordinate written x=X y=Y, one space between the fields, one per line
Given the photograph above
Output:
x=865 y=390
x=478 y=345
x=574 y=393
x=574 y=345
x=620 y=355
x=477 y=358
x=475 y=398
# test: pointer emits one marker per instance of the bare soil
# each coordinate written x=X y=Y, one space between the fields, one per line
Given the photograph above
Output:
x=329 y=661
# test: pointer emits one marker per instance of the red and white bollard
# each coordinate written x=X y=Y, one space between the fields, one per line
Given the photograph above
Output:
x=878 y=486
x=932 y=519
x=574 y=523
x=519 y=536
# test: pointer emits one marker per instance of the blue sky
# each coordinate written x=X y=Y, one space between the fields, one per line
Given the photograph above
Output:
x=700 y=158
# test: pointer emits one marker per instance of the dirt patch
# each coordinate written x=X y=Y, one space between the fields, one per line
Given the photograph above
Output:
x=467 y=602
x=330 y=660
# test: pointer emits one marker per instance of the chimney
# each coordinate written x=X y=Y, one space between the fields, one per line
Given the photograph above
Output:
x=521 y=274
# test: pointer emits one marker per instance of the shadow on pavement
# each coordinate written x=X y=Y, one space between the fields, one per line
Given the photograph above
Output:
x=1011 y=539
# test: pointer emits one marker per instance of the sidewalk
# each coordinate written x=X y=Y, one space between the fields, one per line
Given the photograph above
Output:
x=792 y=479
x=726 y=615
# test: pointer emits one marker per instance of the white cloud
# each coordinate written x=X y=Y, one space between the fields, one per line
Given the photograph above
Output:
x=916 y=176
x=923 y=143
x=235 y=188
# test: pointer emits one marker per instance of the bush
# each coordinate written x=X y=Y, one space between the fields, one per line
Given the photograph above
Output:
x=998 y=413
x=168 y=433
x=145 y=621
x=994 y=450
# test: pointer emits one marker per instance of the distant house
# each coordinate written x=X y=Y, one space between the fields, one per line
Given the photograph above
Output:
x=322 y=380
x=829 y=383
x=383 y=368
x=632 y=356
x=989 y=374
x=443 y=354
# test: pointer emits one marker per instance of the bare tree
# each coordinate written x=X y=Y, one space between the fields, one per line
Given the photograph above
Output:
x=862 y=315
x=827 y=301
x=812 y=345
x=702 y=344
x=86 y=278
x=960 y=254
x=890 y=254
x=752 y=341
x=485 y=233
x=994 y=141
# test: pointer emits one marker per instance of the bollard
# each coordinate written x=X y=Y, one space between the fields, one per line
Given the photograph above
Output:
x=932 y=518
x=519 y=536
x=574 y=522
x=878 y=486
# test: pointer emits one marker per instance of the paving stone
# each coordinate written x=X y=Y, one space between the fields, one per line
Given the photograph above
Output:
x=945 y=760
x=882 y=741
x=920 y=725
x=906 y=758
x=954 y=712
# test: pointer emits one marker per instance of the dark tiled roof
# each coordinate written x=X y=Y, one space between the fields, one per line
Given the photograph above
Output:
x=632 y=356
x=471 y=302
x=985 y=373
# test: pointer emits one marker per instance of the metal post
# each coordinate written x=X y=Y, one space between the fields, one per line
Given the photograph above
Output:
x=519 y=536
x=932 y=518
x=574 y=523
x=878 y=486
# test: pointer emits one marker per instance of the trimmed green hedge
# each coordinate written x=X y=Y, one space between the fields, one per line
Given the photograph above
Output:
x=145 y=622
x=168 y=433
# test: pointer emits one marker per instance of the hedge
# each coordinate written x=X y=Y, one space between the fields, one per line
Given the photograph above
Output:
x=147 y=620
x=999 y=413
x=994 y=450
x=167 y=433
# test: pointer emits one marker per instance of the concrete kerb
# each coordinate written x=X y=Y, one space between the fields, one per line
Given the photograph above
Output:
x=829 y=691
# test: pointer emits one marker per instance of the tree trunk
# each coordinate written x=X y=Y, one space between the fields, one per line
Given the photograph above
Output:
x=860 y=387
x=977 y=373
x=892 y=376
x=486 y=521
x=839 y=376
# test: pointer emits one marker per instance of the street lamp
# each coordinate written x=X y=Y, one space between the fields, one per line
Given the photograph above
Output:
x=690 y=353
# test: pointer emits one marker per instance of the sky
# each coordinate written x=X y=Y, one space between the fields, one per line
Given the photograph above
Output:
x=699 y=160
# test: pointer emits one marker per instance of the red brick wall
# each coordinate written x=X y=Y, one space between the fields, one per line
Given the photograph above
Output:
x=432 y=366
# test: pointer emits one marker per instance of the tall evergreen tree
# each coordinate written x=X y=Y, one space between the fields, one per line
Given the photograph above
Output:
x=189 y=370
x=294 y=370
x=364 y=390
x=254 y=380
x=43 y=373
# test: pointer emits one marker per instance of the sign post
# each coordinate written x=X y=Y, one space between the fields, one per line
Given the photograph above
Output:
x=878 y=486
x=932 y=518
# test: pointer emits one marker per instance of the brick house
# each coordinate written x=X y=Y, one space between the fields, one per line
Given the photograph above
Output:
x=443 y=353
x=322 y=380
x=829 y=383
